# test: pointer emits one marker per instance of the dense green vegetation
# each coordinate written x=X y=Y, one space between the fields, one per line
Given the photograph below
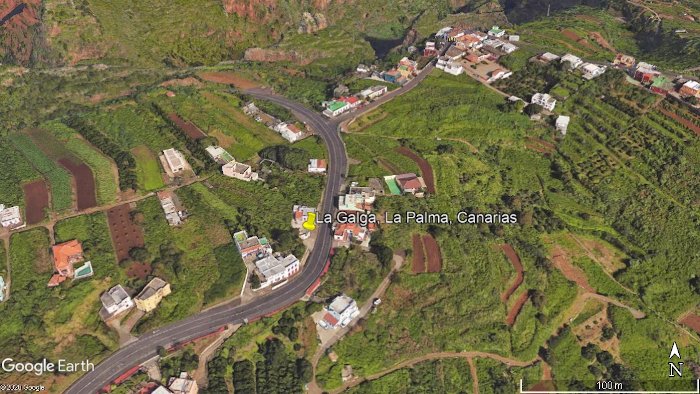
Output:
x=58 y=178
x=17 y=171
x=353 y=272
x=439 y=376
x=54 y=323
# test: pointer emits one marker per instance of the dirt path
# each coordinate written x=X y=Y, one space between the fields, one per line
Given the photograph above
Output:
x=437 y=356
x=475 y=375
x=201 y=374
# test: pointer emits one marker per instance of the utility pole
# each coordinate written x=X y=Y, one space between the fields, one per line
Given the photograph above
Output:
x=548 y=5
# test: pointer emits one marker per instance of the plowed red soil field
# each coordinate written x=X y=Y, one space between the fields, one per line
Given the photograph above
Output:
x=189 y=128
x=418 y=260
x=125 y=233
x=515 y=310
x=685 y=122
x=139 y=270
x=36 y=201
x=84 y=182
x=432 y=251
x=692 y=321
x=515 y=260
x=425 y=169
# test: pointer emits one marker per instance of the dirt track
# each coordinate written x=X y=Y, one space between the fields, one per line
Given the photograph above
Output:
x=188 y=128
x=515 y=260
x=515 y=310
x=418 y=259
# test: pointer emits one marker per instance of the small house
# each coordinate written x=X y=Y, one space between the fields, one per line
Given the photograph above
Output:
x=317 y=166
x=545 y=100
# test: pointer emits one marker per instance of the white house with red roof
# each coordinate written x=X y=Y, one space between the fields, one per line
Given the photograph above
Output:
x=339 y=313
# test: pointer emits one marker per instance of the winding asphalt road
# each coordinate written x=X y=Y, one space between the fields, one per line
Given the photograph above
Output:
x=211 y=320
x=145 y=347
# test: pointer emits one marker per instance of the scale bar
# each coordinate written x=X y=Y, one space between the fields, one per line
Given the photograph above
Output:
x=696 y=391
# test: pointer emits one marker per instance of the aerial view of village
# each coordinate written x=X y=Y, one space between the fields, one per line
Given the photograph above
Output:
x=349 y=196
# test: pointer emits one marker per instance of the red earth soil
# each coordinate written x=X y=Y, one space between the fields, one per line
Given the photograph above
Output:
x=19 y=37
x=84 y=182
x=189 y=128
x=515 y=310
x=228 y=78
x=139 y=270
x=36 y=201
x=125 y=233
x=515 y=260
x=432 y=250
x=418 y=262
x=570 y=272
x=685 y=122
x=692 y=321
x=425 y=169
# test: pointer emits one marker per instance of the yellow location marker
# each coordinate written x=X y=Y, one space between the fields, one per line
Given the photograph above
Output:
x=310 y=223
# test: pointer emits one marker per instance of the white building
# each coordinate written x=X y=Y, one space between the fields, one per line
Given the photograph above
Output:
x=361 y=68
x=173 y=215
x=273 y=269
x=562 y=124
x=573 y=60
x=175 y=160
x=548 y=57
x=183 y=385
x=591 y=70
x=300 y=213
x=289 y=132
x=514 y=38
x=317 y=166
x=10 y=217
x=340 y=312
x=219 y=154
x=373 y=92
x=335 y=108
x=546 y=101
x=442 y=62
x=493 y=43
x=454 y=68
x=509 y=48
x=116 y=300
x=239 y=171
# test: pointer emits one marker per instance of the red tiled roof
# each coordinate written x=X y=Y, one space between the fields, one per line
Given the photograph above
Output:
x=56 y=280
x=349 y=100
x=330 y=319
x=64 y=254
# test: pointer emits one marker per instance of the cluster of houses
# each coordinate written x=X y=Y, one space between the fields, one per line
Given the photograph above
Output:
x=117 y=301
x=344 y=104
x=271 y=268
x=341 y=311
x=229 y=166
x=357 y=200
x=588 y=70
x=472 y=47
x=651 y=77
x=11 y=217
x=288 y=131
x=404 y=71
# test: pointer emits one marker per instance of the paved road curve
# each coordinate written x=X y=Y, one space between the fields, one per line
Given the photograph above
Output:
x=206 y=322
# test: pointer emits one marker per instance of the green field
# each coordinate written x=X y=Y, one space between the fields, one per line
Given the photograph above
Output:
x=18 y=171
x=58 y=178
x=102 y=167
x=147 y=168
x=219 y=115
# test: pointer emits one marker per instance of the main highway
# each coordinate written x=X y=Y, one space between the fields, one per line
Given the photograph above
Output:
x=145 y=347
x=203 y=323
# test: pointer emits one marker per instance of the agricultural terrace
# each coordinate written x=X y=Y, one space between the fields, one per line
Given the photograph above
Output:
x=490 y=168
x=103 y=169
x=59 y=180
x=54 y=323
x=140 y=131
x=218 y=114
x=199 y=257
